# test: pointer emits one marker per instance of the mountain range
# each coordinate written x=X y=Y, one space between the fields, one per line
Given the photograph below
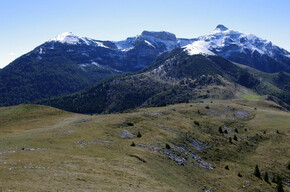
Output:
x=68 y=63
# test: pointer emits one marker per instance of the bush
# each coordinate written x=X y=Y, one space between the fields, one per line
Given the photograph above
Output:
x=277 y=132
x=139 y=134
x=133 y=144
x=236 y=130
x=288 y=165
x=226 y=132
x=257 y=172
x=196 y=123
x=240 y=175
x=230 y=140
x=227 y=167
x=167 y=146
x=207 y=107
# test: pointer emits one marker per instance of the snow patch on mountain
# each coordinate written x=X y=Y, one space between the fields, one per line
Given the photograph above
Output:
x=198 y=47
x=100 y=44
x=148 y=43
x=168 y=40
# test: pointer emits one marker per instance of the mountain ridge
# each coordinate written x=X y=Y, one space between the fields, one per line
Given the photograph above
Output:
x=69 y=63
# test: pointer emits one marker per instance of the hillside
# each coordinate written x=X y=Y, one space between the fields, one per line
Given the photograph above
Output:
x=174 y=77
x=180 y=148
x=28 y=79
x=277 y=85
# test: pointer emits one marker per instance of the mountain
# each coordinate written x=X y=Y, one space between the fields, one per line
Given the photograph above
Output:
x=41 y=74
x=245 y=49
x=174 y=77
x=69 y=63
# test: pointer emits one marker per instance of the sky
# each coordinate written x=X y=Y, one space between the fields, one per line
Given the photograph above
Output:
x=27 y=24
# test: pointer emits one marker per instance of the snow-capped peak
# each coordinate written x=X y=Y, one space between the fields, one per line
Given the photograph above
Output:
x=67 y=37
x=221 y=28
x=70 y=38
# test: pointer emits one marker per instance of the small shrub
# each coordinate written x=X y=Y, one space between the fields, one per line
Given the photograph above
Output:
x=139 y=134
x=257 y=172
x=130 y=124
x=226 y=132
x=236 y=130
x=230 y=140
x=133 y=144
x=240 y=175
x=235 y=138
x=167 y=146
x=277 y=132
x=198 y=111
x=207 y=107
x=288 y=165
x=246 y=129
x=264 y=132
x=220 y=129
x=196 y=123
x=227 y=167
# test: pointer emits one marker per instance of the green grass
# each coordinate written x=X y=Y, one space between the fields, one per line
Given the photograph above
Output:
x=68 y=165
x=254 y=97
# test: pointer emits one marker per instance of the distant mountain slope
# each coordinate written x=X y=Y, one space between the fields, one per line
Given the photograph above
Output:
x=175 y=77
x=28 y=79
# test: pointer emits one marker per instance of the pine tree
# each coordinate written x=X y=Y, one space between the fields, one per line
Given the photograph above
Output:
x=133 y=144
x=266 y=177
x=220 y=129
x=139 y=134
x=236 y=130
x=230 y=140
x=257 y=172
x=280 y=186
x=167 y=146
x=226 y=132
x=235 y=138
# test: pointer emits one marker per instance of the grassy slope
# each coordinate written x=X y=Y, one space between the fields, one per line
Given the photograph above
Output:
x=63 y=164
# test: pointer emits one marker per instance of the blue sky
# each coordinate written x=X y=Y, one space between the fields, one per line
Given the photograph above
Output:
x=26 y=24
